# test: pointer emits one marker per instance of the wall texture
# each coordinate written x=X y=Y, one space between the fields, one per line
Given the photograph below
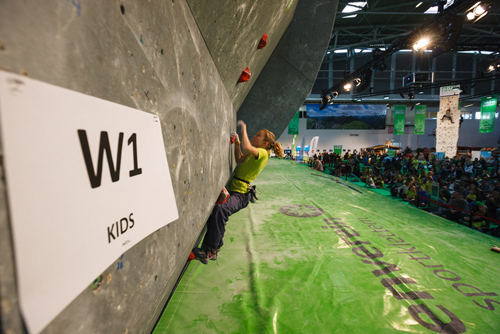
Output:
x=166 y=58
x=290 y=73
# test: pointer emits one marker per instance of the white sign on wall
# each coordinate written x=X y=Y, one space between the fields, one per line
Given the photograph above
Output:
x=87 y=179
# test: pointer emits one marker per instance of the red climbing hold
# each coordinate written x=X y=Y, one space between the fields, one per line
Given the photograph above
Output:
x=191 y=257
x=263 y=42
x=245 y=75
x=224 y=195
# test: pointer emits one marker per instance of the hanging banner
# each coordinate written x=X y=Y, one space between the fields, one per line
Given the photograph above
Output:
x=293 y=127
x=294 y=140
x=337 y=149
x=399 y=120
x=87 y=179
x=488 y=108
x=448 y=121
x=420 y=120
x=313 y=145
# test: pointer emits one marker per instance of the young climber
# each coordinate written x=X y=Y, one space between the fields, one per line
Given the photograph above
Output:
x=252 y=157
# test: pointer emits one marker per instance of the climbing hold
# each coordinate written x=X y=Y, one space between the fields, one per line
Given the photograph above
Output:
x=263 y=42
x=245 y=75
x=191 y=257
x=224 y=195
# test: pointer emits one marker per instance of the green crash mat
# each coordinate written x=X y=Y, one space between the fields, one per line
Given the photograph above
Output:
x=317 y=256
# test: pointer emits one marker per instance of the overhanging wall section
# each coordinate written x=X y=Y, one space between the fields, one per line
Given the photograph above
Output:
x=289 y=75
x=232 y=31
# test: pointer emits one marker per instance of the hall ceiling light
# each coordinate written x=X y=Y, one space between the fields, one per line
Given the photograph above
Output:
x=421 y=44
x=418 y=5
x=357 y=82
x=386 y=97
x=491 y=68
x=347 y=87
x=477 y=12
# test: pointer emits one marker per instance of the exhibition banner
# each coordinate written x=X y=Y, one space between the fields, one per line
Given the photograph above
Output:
x=337 y=149
x=301 y=153
x=346 y=116
x=87 y=179
x=314 y=145
x=391 y=153
x=294 y=140
x=448 y=121
x=293 y=127
x=420 y=120
x=399 y=120
x=488 y=108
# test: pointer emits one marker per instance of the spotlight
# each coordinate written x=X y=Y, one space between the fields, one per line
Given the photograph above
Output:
x=386 y=97
x=421 y=92
x=402 y=96
x=479 y=10
x=324 y=101
x=491 y=68
x=359 y=99
x=347 y=87
x=357 y=82
x=421 y=44
x=411 y=96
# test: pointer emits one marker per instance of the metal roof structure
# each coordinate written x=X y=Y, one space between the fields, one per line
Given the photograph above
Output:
x=380 y=22
x=372 y=42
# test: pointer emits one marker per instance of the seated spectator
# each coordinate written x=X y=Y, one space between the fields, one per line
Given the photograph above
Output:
x=369 y=182
x=458 y=207
x=318 y=165
x=445 y=193
x=380 y=182
x=411 y=193
x=477 y=219
x=422 y=197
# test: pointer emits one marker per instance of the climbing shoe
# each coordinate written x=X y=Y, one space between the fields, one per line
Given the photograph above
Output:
x=200 y=255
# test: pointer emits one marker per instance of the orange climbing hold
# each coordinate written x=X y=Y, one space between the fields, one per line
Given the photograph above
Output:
x=263 y=42
x=191 y=257
x=224 y=195
x=245 y=75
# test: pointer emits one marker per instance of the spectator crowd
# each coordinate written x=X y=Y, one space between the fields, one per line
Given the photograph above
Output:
x=468 y=192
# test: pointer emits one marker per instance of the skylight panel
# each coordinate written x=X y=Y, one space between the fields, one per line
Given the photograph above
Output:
x=434 y=9
x=353 y=7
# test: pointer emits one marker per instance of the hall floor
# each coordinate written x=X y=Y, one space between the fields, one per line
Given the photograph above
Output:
x=317 y=256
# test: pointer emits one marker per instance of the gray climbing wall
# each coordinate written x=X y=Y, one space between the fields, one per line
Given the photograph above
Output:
x=289 y=75
x=180 y=60
x=152 y=56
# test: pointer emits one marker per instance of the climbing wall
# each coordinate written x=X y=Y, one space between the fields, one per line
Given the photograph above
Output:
x=179 y=60
x=448 y=118
x=289 y=75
